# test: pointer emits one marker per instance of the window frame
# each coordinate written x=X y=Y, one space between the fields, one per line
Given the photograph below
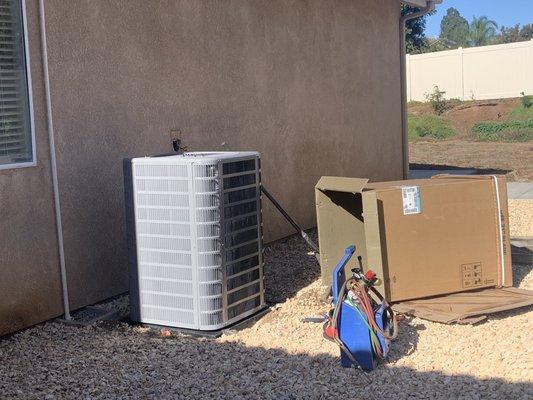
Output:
x=33 y=161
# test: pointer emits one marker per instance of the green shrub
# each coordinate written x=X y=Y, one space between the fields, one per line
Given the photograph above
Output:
x=509 y=131
x=454 y=102
x=521 y=113
x=527 y=100
x=429 y=126
x=437 y=100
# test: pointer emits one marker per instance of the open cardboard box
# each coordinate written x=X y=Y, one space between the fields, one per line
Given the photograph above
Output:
x=441 y=245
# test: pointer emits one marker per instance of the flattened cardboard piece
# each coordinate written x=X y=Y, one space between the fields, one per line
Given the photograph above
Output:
x=466 y=307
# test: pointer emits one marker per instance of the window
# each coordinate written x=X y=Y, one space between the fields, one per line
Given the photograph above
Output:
x=16 y=133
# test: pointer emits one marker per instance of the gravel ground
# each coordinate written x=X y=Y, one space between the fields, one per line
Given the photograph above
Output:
x=278 y=357
x=521 y=218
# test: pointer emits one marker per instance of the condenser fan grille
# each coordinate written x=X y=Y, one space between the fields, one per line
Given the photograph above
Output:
x=198 y=239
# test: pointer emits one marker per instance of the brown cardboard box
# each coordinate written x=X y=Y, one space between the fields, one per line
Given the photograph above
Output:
x=424 y=237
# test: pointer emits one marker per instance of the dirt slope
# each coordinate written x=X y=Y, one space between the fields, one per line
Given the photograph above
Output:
x=462 y=151
x=516 y=158
x=463 y=116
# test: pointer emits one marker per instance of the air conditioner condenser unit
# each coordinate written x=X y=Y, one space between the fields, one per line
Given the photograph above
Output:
x=194 y=238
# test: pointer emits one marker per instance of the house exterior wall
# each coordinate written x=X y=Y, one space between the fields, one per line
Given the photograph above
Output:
x=30 y=287
x=313 y=85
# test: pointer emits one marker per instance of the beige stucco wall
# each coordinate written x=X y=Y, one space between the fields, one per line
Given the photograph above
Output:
x=30 y=289
x=313 y=85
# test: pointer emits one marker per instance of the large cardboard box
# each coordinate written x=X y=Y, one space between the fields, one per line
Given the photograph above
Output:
x=424 y=237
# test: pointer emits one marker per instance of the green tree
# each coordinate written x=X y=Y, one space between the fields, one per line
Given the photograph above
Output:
x=415 y=37
x=526 y=33
x=482 y=31
x=509 y=35
x=454 y=29
x=515 y=34
x=437 y=44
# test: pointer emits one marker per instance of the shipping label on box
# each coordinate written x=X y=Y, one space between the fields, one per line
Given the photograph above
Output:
x=411 y=200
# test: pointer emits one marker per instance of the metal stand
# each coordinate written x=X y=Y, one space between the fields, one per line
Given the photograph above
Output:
x=297 y=227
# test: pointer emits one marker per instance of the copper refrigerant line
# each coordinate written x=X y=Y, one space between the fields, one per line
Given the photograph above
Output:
x=297 y=227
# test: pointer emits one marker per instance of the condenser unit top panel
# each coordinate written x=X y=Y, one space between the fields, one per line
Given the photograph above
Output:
x=207 y=157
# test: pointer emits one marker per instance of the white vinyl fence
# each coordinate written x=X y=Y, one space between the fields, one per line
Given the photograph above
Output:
x=477 y=73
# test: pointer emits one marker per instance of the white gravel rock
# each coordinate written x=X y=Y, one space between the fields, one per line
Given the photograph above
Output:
x=279 y=357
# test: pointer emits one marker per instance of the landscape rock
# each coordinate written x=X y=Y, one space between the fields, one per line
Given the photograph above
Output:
x=278 y=357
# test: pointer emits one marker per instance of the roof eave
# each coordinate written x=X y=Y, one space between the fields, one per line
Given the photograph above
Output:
x=419 y=3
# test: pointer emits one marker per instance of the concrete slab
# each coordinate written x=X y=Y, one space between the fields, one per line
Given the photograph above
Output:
x=520 y=190
x=515 y=190
x=428 y=173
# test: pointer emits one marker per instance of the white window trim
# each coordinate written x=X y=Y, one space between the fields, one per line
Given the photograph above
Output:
x=32 y=163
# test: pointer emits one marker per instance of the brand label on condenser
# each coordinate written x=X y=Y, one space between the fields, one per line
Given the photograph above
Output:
x=411 y=200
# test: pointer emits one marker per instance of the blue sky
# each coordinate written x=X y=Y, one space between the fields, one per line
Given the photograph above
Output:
x=507 y=13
